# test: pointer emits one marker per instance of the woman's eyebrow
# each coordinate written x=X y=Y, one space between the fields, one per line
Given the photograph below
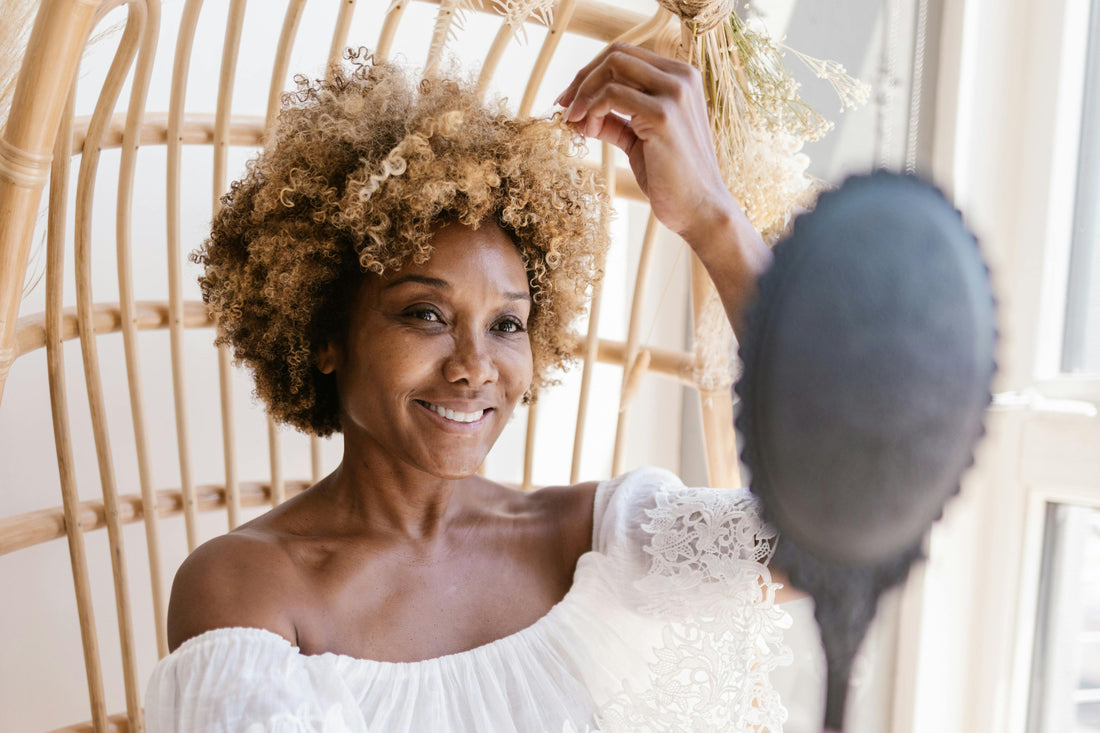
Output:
x=435 y=282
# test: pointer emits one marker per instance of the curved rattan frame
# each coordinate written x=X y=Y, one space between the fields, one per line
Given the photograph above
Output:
x=37 y=146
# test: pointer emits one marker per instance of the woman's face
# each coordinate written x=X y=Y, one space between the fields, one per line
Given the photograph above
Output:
x=436 y=355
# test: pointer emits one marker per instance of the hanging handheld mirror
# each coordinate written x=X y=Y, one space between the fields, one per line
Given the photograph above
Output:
x=868 y=357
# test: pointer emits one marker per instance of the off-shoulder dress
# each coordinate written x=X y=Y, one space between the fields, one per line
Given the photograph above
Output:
x=670 y=625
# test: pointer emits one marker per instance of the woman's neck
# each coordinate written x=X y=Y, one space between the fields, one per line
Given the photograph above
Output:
x=382 y=495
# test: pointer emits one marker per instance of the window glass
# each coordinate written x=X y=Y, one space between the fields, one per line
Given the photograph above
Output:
x=1065 y=680
x=1081 y=351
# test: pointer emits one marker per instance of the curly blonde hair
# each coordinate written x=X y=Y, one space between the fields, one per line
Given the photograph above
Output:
x=359 y=169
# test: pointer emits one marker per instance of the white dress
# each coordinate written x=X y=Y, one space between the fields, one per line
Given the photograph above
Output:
x=669 y=625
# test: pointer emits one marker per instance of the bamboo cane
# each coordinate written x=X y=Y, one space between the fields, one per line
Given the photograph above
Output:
x=85 y=191
x=563 y=15
x=592 y=340
x=185 y=41
x=224 y=111
x=53 y=53
x=389 y=28
x=127 y=166
x=287 y=37
x=340 y=32
x=631 y=373
x=73 y=527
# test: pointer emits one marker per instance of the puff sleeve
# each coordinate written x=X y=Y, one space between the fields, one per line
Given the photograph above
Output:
x=692 y=563
x=247 y=680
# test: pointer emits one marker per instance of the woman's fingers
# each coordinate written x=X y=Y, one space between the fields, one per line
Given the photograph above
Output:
x=615 y=63
x=655 y=93
x=654 y=109
x=622 y=84
x=611 y=107
x=630 y=82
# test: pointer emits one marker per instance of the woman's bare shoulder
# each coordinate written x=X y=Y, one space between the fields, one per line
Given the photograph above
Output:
x=243 y=578
x=570 y=508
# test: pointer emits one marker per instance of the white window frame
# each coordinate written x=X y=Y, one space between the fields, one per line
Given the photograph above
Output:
x=1005 y=145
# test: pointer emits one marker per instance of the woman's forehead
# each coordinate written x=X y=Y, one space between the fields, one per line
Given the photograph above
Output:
x=462 y=256
x=458 y=247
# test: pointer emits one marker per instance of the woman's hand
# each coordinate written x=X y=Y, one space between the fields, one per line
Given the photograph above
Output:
x=653 y=109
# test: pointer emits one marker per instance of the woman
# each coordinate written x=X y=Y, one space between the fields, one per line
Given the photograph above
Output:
x=402 y=264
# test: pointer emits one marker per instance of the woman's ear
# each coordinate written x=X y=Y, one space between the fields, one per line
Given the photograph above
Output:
x=326 y=357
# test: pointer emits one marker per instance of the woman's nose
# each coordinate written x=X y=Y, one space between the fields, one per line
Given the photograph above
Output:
x=470 y=361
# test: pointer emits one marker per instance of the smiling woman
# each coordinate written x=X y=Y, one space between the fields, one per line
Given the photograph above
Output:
x=360 y=169
x=436 y=355
x=404 y=264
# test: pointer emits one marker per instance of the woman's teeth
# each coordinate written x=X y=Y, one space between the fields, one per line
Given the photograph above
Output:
x=453 y=415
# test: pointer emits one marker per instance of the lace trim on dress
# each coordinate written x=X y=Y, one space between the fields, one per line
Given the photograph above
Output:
x=723 y=635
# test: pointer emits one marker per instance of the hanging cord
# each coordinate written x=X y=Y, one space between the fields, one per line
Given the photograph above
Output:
x=917 y=86
x=887 y=87
x=672 y=272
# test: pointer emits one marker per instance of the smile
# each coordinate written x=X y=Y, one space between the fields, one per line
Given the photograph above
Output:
x=453 y=415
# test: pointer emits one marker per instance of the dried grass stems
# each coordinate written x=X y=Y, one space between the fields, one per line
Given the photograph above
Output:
x=451 y=19
x=759 y=124
x=517 y=12
x=759 y=121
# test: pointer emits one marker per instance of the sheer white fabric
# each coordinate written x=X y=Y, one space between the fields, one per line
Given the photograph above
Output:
x=670 y=625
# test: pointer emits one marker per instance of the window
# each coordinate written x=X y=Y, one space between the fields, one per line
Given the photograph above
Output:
x=1065 y=679
x=1064 y=684
x=1002 y=623
x=1081 y=348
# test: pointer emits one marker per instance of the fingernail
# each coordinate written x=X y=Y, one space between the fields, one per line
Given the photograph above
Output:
x=558 y=100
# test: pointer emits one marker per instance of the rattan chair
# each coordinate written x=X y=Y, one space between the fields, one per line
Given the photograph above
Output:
x=91 y=159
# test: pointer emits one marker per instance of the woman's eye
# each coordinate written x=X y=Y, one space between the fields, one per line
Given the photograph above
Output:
x=510 y=325
x=424 y=314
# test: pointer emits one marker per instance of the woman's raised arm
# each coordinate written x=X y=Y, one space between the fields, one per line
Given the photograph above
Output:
x=653 y=109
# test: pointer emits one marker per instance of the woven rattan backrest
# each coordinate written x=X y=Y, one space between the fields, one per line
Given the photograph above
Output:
x=146 y=330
